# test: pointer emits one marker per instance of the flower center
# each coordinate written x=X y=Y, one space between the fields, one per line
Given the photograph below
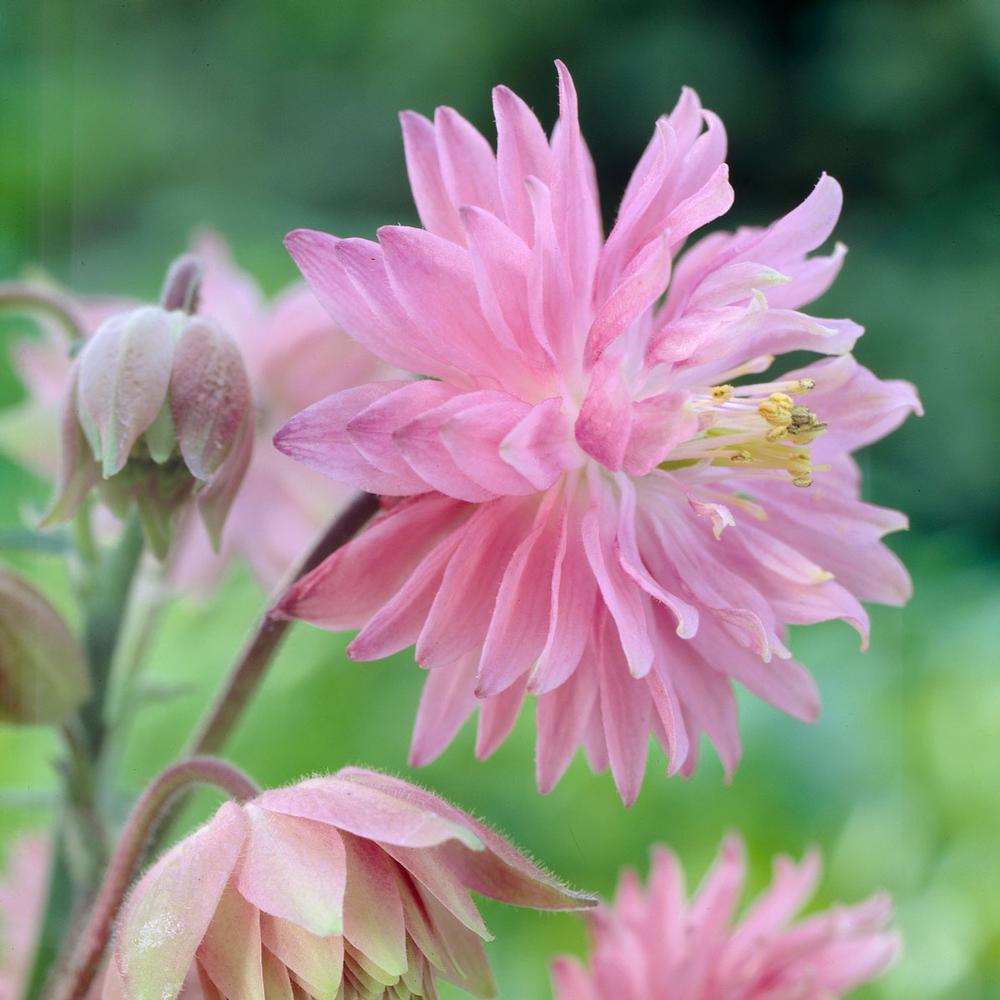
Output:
x=759 y=429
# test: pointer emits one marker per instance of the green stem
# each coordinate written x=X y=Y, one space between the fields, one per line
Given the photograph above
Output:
x=106 y=601
x=82 y=966
x=79 y=842
x=251 y=664
x=37 y=298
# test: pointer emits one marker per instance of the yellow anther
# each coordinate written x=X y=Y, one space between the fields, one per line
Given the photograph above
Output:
x=774 y=413
x=741 y=457
x=802 y=386
x=781 y=399
x=799 y=464
x=777 y=433
x=802 y=481
x=722 y=393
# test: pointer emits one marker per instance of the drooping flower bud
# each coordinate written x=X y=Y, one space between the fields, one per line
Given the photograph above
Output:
x=43 y=673
x=158 y=410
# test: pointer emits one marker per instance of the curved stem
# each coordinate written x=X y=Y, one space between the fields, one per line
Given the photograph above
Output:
x=145 y=816
x=251 y=664
x=38 y=298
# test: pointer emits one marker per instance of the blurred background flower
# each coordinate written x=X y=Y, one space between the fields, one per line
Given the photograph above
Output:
x=129 y=126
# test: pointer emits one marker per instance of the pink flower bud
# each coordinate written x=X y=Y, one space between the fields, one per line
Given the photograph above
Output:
x=43 y=674
x=158 y=410
x=354 y=885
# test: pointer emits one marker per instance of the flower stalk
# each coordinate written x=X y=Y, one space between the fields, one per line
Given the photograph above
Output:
x=37 y=298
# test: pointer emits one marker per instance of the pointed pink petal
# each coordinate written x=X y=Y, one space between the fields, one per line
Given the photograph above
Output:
x=467 y=162
x=497 y=715
x=350 y=586
x=522 y=152
x=625 y=709
x=541 y=446
x=520 y=622
x=318 y=438
x=435 y=206
x=447 y=700
x=561 y=716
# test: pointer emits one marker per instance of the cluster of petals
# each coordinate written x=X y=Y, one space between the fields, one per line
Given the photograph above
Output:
x=655 y=944
x=584 y=499
x=347 y=887
x=22 y=898
x=294 y=355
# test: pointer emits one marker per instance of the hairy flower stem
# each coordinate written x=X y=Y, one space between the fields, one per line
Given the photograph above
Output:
x=27 y=297
x=250 y=666
x=149 y=811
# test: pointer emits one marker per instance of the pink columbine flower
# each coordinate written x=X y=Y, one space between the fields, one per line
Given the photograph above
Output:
x=294 y=354
x=601 y=508
x=350 y=886
x=655 y=944
x=22 y=899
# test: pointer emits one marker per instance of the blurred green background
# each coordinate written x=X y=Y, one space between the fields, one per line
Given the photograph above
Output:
x=127 y=125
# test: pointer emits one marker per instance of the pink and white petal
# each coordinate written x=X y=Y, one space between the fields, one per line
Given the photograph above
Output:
x=447 y=700
x=520 y=623
x=468 y=165
x=398 y=623
x=473 y=435
x=354 y=583
x=522 y=152
x=169 y=911
x=571 y=981
x=573 y=594
x=576 y=210
x=604 y=425
x=541 y=446
x=627 y=603
x=435 y=206
x=561 y=716
x=625 y=711
x=372 y=430
x=294 y=868
x=350 y=280
x=419 y=265
x=463 y=605
x=497 y=715
x=318 y=438
x=352 y=802
x=643 y=282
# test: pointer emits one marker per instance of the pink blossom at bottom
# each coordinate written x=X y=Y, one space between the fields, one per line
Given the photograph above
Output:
x=22 y=899
x=656 y=944
x=345 y=887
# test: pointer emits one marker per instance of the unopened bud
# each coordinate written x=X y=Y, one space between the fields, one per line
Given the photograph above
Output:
x=43 y=674
x=159 y=411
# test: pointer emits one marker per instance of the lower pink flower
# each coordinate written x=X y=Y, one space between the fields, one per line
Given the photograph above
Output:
x=349 y=886
x=22 y=898
x=655 y=944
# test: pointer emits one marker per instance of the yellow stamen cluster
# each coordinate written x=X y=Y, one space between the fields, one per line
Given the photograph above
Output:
x=735 y=435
